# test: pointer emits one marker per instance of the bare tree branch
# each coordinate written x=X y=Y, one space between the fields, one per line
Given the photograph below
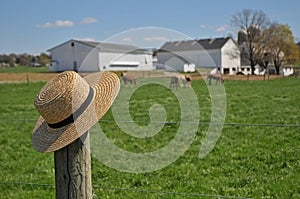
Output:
x=252 y=22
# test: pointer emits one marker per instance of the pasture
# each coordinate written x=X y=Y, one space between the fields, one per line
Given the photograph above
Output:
x=256 y=156
x=24 y=69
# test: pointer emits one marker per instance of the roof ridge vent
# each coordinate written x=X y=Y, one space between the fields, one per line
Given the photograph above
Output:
x=194 y=42
x=178 y=43
x=212 y=40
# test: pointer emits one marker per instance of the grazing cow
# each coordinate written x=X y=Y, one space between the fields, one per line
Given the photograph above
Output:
x=218 y=77
x=174 y=82
x=128 y=78
x=187 y=81
x=180 y=80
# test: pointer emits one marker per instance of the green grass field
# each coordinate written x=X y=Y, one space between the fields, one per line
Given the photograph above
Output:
x=24 y=69
x=248 y=160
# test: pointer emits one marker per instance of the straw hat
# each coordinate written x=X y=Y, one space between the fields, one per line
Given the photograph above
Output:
x=69 y=106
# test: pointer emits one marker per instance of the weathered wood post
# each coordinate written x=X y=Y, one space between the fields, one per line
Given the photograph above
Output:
x=27 y=79
x=73 y=170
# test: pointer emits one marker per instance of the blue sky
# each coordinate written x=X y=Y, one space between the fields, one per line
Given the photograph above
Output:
x=34 y=26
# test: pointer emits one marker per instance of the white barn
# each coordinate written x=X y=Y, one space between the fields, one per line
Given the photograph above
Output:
x=220 y=54
x=90 y=56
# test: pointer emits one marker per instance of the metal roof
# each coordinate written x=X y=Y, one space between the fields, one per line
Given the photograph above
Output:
x=108 y=47
x=190 y=45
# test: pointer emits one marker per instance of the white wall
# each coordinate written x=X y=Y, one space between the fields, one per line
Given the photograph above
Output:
x=62 y=56
x=230 y=57
x=174 y=64
x=65 y=55
x=177 y=64
x=288 y=71
x=245 y=69
x=259 y=71
x=108 y=58
x=91 y=61
x=201 y=58
x=88 y=58
x=206 y=58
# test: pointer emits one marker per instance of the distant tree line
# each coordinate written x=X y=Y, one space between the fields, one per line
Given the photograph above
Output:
x=12 y=60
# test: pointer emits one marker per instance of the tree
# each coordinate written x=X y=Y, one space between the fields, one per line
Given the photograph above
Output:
x=12 y=59
x=4 y=59
x=43 y=59
x=298 y=60
x=281 y=45
x=266 y=59
x=252 y=22
x=24 y=59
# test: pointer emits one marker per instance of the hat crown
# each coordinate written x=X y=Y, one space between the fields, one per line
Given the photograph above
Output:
x=61 y=96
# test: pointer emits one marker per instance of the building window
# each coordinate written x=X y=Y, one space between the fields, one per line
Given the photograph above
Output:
x=226 y=70
x=72 y=44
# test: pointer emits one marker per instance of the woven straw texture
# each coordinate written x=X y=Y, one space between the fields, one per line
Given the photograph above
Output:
x=61 y=97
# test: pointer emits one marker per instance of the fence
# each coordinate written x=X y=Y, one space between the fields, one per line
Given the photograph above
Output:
x=183 y=194
x=20 y=77
x=160 y=192
x=145 y=191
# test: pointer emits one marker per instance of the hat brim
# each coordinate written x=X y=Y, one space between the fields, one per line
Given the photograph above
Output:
x=106 y=86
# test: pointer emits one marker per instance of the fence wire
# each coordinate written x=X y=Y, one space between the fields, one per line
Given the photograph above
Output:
x=204 y=123
x=144 y=122
x=132 y=190
x=169 y=193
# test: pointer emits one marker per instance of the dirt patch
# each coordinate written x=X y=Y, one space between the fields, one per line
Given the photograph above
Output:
x=251 y=77
x=30 y=77
x=241 y=77
x=25 y=77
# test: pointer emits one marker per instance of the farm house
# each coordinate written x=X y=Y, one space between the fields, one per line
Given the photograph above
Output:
x=219 y=54
x=90 y=56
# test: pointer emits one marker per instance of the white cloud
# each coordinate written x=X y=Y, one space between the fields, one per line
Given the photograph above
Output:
x=156 y=39
x=45 y=25
x=222 y=28
x=86 y=39
x=66 y=23
x=58 y=23
x=88 y=20
x=203 y=26
x=61 y=23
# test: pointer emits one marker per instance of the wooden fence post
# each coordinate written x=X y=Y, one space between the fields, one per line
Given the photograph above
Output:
x=73 y=170
x=27 y=79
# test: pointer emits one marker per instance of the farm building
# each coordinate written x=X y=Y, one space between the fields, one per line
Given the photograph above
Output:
x=287 y=70
x=220 y=54
x=80 y=55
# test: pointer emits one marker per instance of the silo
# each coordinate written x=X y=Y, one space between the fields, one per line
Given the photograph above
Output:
x=242 y=36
